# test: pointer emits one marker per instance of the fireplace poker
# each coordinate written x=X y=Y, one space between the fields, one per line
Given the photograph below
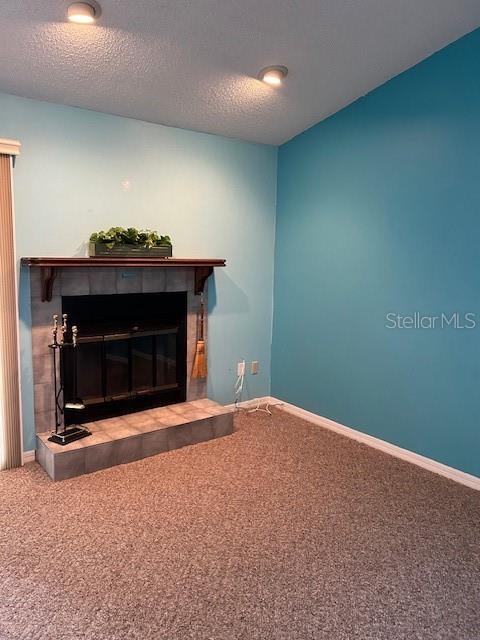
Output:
x=77 y=404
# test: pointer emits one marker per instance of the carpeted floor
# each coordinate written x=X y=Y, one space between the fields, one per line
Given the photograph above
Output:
x=282 y=531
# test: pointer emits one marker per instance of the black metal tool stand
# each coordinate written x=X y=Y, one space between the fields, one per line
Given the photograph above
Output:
x=74 y=432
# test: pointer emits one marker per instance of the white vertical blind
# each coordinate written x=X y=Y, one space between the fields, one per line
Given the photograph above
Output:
x=10 y=422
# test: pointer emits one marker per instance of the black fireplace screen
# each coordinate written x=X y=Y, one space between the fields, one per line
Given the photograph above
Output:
x=131 y=353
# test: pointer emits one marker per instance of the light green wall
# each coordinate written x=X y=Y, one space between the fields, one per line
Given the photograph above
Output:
x=214 y=196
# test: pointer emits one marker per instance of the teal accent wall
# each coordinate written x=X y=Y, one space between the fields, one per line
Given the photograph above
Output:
x=378 y=212
x=215 y=196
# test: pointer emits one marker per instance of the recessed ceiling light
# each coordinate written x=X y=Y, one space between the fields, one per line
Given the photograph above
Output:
x=273 y=75
x=83 y=13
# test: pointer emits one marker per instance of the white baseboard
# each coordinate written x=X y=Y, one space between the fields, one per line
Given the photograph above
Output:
x=404 y=454
x=28 y=456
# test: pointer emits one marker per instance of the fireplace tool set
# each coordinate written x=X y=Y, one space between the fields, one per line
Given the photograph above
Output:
x=69 y=434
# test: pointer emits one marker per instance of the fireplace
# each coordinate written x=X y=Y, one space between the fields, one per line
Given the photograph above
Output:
x=69 y=279
x=131 y=353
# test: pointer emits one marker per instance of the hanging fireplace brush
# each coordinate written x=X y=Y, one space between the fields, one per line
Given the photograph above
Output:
x=69 y=434
x=199 y=369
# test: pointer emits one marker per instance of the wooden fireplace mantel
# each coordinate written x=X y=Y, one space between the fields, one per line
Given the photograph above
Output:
x=48 y=267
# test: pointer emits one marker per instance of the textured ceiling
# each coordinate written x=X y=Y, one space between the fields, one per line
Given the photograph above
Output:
x=192 y=64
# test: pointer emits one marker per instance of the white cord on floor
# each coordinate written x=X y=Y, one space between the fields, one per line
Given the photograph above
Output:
x=265 y=409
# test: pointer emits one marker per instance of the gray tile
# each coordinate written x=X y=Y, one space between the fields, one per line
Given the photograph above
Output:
x=42 y=369
x=180 y=407
x=41 y=338
x=93 y=427
x=111 y=423
x=129 y=280
x=190 y=360
x=96 y=437
x=196 y=388
x=160 y=412
x=107 y=427
x=192 y=325
x=99 y=457
x=152 y=426
x=153 y=280
x=193 y=299
x=119 y=433
x=202 y=430
x=42 y=312
x=58 y=449
x=190 y=281
x=196 y=414
x=44 y=421
x=218 y=410
x=222 y=425
x=75 y=282
x=172 y=419
x=154 y=442
x=103 y=281
x=44 y=397
x=140 y=420
x=179 y=436
x=40 y=453
x=205 y=404
x=176 y=279
x=69 y=464
x=36 y=284
x=128 y=449
x=49 y=463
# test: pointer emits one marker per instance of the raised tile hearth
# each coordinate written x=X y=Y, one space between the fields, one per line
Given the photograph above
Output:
x=135 y=436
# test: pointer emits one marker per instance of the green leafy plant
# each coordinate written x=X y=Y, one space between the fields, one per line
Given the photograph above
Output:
x=120 y=236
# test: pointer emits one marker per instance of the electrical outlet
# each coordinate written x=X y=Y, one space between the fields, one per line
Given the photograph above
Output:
x=254 y=367
x=241 y=368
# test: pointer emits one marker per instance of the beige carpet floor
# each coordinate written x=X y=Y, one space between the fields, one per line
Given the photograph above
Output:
x=282 y=531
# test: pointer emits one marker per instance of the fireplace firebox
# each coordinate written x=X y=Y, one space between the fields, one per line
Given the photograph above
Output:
x=130 y=355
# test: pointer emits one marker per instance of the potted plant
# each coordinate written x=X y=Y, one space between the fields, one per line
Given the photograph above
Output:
x=118 y=242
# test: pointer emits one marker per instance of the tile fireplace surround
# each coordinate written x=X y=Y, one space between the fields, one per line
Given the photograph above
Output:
x=103 y=281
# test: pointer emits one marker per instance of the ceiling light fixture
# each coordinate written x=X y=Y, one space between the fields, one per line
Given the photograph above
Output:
x=273 y=75
x=83 y=13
